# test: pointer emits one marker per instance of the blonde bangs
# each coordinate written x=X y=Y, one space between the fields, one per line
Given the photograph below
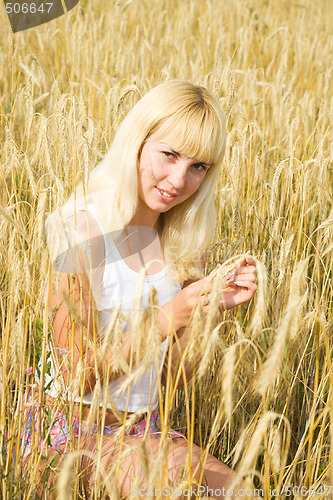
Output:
x=196 y=132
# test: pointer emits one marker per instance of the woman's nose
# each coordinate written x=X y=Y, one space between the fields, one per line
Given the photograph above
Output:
x=177 y=177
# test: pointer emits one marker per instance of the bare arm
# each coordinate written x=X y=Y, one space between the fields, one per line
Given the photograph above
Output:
x=237 y=288
x=172 y=363
x=75 y=333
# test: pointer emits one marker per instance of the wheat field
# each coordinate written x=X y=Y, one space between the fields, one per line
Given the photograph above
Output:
x=261 y=400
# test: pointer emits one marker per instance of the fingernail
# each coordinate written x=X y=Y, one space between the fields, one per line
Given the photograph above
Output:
x=231 y=277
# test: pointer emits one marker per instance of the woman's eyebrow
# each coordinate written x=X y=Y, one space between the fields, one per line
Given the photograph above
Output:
x=179 y=154
x=174 y=152
x=169 y=147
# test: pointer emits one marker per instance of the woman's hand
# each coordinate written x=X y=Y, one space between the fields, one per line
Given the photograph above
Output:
x=238 y=287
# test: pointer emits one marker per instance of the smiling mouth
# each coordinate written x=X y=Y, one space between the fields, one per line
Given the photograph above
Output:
x=165 y=193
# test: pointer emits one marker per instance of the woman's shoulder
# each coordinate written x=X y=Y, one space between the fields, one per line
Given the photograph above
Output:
x=80 y=241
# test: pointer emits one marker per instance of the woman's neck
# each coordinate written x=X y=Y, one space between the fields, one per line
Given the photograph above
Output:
x=139 y=221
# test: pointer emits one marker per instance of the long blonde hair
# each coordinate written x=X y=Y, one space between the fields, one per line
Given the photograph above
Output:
x=189 y=119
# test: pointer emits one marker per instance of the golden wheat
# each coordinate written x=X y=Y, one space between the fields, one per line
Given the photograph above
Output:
x=262 y=395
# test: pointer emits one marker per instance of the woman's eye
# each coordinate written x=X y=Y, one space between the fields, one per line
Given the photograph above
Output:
x=168 y=154
x=199 y=166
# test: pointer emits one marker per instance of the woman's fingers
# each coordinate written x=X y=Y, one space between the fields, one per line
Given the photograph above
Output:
x=241 y=292
x=238 y=287
x=250 y=260
x=244 y=272
x=249 y=284
x=244 y=275
x=246 y=269
x=246 y=281
x=242 y=269
x=242 y=278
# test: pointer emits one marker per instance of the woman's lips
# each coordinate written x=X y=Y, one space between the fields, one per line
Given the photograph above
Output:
x=164 y=197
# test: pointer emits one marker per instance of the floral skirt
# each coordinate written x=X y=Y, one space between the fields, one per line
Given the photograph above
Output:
x=60 y=432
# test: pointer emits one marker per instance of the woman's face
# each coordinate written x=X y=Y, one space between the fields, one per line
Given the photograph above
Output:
x=166 y=177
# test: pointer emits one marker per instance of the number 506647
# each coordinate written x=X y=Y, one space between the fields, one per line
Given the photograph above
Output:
x=25 y=8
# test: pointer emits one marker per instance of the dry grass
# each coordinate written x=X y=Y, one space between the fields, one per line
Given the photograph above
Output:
x=263 y=401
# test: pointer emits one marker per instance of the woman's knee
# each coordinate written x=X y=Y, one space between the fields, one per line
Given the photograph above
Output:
x=46 y=472
x=115 y=464
x=186 y=467
x=202 y=469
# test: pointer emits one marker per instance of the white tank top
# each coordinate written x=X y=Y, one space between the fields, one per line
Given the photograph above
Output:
x=119 y=286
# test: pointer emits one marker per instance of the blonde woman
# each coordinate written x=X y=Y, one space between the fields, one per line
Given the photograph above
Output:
x=134 y=237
